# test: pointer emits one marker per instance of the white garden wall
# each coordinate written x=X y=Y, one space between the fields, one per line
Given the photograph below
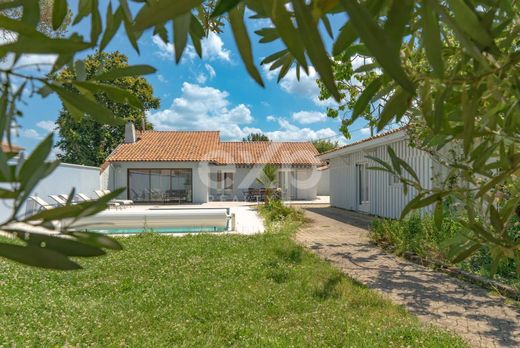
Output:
x=323 y=188
x=67 y=176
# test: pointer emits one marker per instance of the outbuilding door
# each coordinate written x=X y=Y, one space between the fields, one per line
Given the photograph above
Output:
x=362 y=187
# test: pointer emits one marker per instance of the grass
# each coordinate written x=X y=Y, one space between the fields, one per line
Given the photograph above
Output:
x=203 y=290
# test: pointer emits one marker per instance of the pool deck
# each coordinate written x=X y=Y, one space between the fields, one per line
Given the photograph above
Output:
x=247 y=220
x=320 y=200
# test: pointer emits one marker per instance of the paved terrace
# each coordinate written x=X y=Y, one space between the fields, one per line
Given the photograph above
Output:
x=341 y=237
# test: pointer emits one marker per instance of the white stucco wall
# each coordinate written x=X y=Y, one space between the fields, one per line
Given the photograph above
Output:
x=386 y=199
x=323 y=188
x=67 y=176
x=204 y=179
x=116 y=175
x=306 y=181
x=307 y=184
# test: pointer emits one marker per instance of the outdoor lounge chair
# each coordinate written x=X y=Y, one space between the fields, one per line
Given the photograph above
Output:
x=120 y=202
x=36 y=204
x=66 y=197
x=59 y=200
x=62 y=202
x=83 y=197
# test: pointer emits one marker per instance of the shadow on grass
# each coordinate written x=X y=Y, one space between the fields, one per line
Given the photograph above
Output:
x=329 y=288
x=290 y=253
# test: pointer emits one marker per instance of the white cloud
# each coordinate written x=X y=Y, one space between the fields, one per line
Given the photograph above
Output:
x=28 y=61
x=165 y=49
x=28 y=133
x=161 y=78
x=212 y=49
x=308 y=117
x=49 y=126
x=306 y=87
x=365 y=131
x=204 y=108
x=34 y=60
x=211 y=71
x=201 y=78
x=359 y=61
x=207 y=108
x=291 y=132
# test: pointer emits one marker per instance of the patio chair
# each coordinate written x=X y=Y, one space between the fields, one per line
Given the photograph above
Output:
x=122 y=202
x=254 y=195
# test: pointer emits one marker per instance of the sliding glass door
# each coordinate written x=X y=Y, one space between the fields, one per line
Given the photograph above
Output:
x=160 y=185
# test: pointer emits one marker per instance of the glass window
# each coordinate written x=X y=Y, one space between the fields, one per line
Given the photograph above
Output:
x=181 y=185
x=362 y=175
x=224 y=181
x=160 y=185
x=139 y=185
x=228 y=181
x=219 y=180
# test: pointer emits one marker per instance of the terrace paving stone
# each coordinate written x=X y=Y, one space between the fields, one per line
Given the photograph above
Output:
x=341 y=237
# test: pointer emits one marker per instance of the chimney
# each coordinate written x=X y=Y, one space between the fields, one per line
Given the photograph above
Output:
x=130 y=133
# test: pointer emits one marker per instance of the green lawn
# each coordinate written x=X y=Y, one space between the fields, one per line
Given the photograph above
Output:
x=204 y=290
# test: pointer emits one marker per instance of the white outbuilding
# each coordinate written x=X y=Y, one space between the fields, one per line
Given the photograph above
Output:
x=355 y=187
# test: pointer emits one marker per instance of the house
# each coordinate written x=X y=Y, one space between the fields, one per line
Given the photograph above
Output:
x=197 y=167
x=354 y=186
x=11 y=148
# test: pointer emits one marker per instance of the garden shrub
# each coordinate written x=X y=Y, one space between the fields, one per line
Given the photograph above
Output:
x=274 y=210
x=418 y=234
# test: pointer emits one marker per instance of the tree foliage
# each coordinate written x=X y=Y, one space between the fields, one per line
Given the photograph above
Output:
x=324 y=145
x=351 y=82
x=256 y=137
x=88 y=142
x=451 y=67
x=45 y=24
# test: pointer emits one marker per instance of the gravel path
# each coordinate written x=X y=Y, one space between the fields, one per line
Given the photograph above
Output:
x=341 y=237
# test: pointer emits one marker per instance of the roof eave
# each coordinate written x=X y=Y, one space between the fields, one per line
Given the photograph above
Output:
x=365 y=145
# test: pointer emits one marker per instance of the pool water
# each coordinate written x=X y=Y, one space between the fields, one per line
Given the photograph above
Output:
x=159 y=230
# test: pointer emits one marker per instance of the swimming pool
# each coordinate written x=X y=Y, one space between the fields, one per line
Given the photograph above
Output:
x=160 y=220
x=160 y=230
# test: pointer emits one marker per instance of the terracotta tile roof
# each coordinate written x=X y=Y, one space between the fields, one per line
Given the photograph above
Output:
x=166 y=146
x=263 y=152
x=377 y=136
x=206 y=146
x=11 y=148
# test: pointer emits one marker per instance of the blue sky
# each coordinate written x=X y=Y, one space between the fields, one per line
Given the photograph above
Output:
x=213 y=93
